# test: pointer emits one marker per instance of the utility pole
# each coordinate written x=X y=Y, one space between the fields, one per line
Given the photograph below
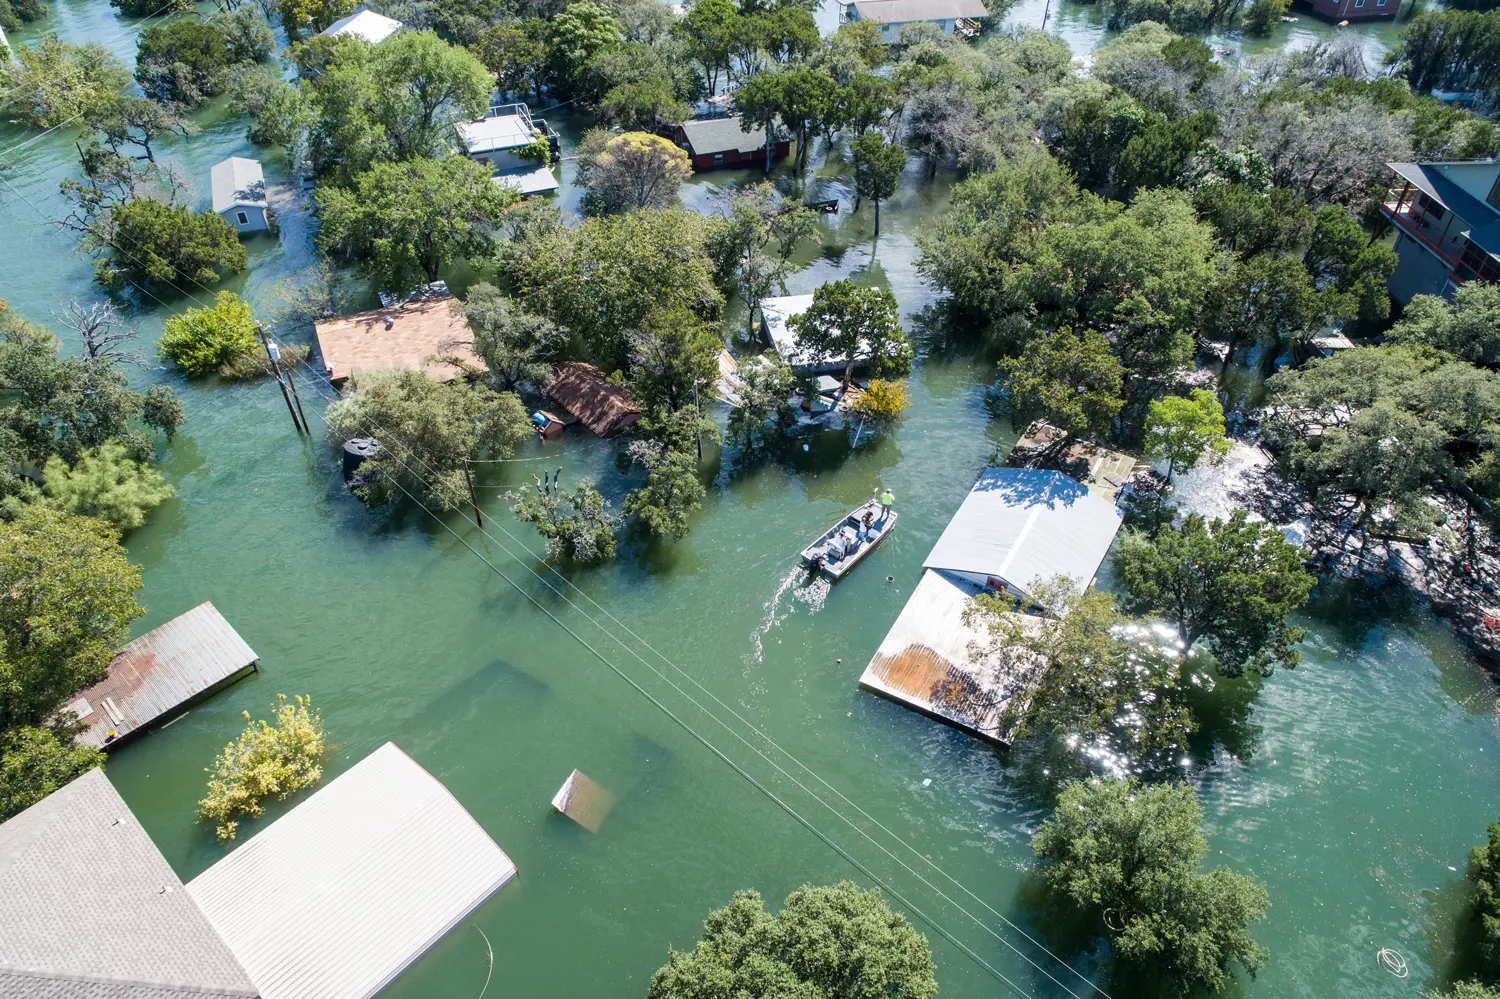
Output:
x=473 y=500
x=276 y=355
x=1045 y=13
x=276 y=369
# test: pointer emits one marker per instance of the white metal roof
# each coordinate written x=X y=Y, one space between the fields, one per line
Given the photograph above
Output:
x=778 y=313
x=334 y=899
x=1024 y=524
x=907 y=11
x=237 y=182
x=539 y=180
x=372 y=27
x=506 y=131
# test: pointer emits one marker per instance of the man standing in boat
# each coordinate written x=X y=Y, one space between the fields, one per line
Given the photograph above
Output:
x=886 y=499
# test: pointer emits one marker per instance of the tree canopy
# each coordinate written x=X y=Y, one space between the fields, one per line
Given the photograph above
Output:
x=630 y=170
x=1182 y=430
x=53 y=82
x=203 y=340
x=854 y=325
x=1073 y=379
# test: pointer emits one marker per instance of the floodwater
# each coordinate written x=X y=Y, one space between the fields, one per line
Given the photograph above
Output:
x=715 y=692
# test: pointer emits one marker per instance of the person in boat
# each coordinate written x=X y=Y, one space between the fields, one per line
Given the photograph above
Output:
x=886 y=499
x=867 y=525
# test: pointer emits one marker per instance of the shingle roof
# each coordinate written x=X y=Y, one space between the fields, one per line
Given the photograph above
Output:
x=719 y=135
x=904 y=11
x=582 y=389
x=236 y=182
x=89 y=908
x=413 y=334
x=334 y=899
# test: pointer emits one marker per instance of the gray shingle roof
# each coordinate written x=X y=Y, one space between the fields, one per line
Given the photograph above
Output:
x=720 y=135
x=1432 y=180
x=90 y=909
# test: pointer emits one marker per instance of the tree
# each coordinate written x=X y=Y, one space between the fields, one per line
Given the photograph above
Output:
x=643 y=107
x=70 y=600
x=101 y=331
x=267 y=760
x=580 y=32
x=1227 y=583
x=204 y=340
x=108 y=484
x=577 y=525
x=708 y=30
x=629 y=171
x=853 y=325
x=1468 y=327
x=831 y=940
x=1132 y=856
x=1484 y=873
x=54 y=82
x=1340 y=256
x=404 y=222
x=801 y=99
x=1465 y=990
x=877 y=169
x=1451 y=50
x=129 y=120
x=35 y=761
x=1071 y=379
x=145 y=8
x=517 y=53
x=882 y=401
x=426 y=431
x=14 y=14
x=764 y=383
x=1180 y=430
x=514 y=344
x=183 y=60
x=422 y=86
x=298 y=16
x=671 y=491
x=673 y=351
x=1262 y=300
x=754 y=243
x=246 y=34
x=152 y=242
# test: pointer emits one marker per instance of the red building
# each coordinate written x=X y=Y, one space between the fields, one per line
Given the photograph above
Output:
x=1354 y=10
x=713 y=143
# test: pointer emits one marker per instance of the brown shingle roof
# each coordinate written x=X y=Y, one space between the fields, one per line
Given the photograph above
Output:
x=604 y=408
x=410 y=335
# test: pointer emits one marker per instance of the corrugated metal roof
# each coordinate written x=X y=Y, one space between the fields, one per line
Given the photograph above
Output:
x=504 y=131
x=907 y=11
x=719 y=135
x=237 y=182
x=160 y=671
x=90 y=909
x=372 y=27
x=334 y=899
x=1024 y=524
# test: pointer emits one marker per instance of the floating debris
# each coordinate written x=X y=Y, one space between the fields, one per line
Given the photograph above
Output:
x=583 y=800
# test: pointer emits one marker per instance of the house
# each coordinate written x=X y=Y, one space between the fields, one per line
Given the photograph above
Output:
x=582 y=390
x=713 y=143
x=363 y=24
x=497 y=139
x=331 y=901
x=948 y=16
x=161 y=674
x=1354 y=10
x=239 y=193
x=428 y=332
x=776 y=315
x=1447 y=219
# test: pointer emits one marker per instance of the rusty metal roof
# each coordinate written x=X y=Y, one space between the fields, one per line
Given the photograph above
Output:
x=161 y=671
x=583 y=390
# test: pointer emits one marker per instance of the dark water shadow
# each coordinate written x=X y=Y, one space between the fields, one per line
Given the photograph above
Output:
x=1454 y=935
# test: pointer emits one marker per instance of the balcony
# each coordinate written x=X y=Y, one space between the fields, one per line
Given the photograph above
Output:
x=1422 y=227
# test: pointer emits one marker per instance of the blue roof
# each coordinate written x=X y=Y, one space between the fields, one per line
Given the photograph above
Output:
x=1482 y=218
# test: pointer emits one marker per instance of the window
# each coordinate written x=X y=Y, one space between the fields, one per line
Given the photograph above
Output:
x=244 y=219
x=718 y=159
x=1380 y=3
x=1359 y=3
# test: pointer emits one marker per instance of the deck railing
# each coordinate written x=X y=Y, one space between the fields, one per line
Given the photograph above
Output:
x=1419 y=227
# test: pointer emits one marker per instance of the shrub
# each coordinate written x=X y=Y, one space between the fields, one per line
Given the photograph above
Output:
x=202 y=340
x=881 y=400
x=108 y=484
x=152 y=242
x=265 y=760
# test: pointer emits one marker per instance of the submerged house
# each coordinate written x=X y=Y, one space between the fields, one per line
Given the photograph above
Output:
x=713 y=143
x=962 y=17
x=1354 y=10
x=239 y=194
x=428 y=332
x=497 y=140
x=583 y=390
x=1447 y=219
x=776 y=315
x=365 y=25
x=331 y=901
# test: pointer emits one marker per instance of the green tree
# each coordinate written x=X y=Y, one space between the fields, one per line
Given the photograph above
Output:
x=53 y=82
x=754 y=243
x=152 y=242
x=515 y=345
x=36 y=761
x=708 y=30
x=877 y=169
x=144 y=8
x=629 y=171
x=1071 y=379
x=183 y=60
x=1468 y=327
x=854 y=325
x=422 y=86
x=832 y=940
x=1229 y=584
x=673 y=351
x=246 y=34
x=70 y=600
x=580 y=32
x=404 y=222
x=882 y=401
x=314 y=16
x=204 y=340
x=643 y=107
x=1484 y=873
x=108 y=484
x=577 y=525
x=267 y=760
x=1158 y=155
x=1341 y=256
x=1465 y=990
x=764 y=383
x=1132 y=855
x=800 y=99
x=517 y=52
x=15 y=14
x=426 y=430
x=1263 y=300
x=672 y=489
x=1180 y=431
x=1251 y=222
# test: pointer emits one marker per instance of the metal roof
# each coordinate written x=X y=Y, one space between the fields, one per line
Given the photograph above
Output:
x=706 y=136
x=1432 y=180
x=372 y=27
x=778 y=313
x=1024 y=524
x=905 y=11
x=337 y=897
x=89 y=908
x=237 y=182
x=506 y=131
x=160 y=671
x=537 y=180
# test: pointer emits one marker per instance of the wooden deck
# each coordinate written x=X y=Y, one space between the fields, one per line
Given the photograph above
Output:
x=1103 y=470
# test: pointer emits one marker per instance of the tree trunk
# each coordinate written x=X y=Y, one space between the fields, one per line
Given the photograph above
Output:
x=877 y=217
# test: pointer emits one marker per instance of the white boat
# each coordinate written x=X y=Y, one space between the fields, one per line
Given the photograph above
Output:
x=840 y=548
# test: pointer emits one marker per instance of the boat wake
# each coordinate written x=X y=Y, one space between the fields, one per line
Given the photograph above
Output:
x=811 y=592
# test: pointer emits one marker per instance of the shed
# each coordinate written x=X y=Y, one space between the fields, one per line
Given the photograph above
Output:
x=363 y=24
x=948 y=16
x=92 y=910
x=721 y=142
x=582 y=390
x=239 y=193
x=341 y=894
x=428 y=333
x=1018 y=525
x=162 y=673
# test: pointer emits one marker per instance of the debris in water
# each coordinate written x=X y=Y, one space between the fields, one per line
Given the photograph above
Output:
x=927 y=782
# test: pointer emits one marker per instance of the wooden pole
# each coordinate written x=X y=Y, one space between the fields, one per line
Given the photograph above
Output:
x=298 y=396
x=276 y=368
x=473 y=500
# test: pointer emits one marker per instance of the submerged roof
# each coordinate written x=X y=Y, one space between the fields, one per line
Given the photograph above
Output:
x=1024 y=524
x=778 y=313
x=372 y=27
x=903 y=11
x=160 y=671
x=89 y=908
x=506 y=131
x=237 y=182
x=412 y=334
x=337 y=897
x=719 y=135
x=583 y=390
x=538 y=180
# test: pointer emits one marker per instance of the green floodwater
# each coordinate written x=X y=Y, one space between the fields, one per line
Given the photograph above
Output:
x=1353 y=786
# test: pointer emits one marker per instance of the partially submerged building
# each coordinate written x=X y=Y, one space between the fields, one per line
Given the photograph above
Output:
x=1447 y=219
x=776 y=315
x=429 y=333
x=365 y=25
x=161 y=674
x=1354 y=10
x=239 y=194
x=963 y=17
x=497 y=140
x=716 y=143
x=582 y=390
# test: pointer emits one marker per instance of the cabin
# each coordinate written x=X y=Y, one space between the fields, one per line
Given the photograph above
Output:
x=428 y=332
x=239 y=194
x=1353 y=10
x=583 y=390
x=496 y=140
x=1447 y=219
x=161 y=674
x=365 y=25
x=716 y=143
x=960 y=17
x=776 y=315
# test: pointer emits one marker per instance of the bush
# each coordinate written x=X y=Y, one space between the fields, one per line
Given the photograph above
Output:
x=200 y=341
x=153 y=242
x=881 y=400
x=108 y=484
x=265 y=760
x=185 y=61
